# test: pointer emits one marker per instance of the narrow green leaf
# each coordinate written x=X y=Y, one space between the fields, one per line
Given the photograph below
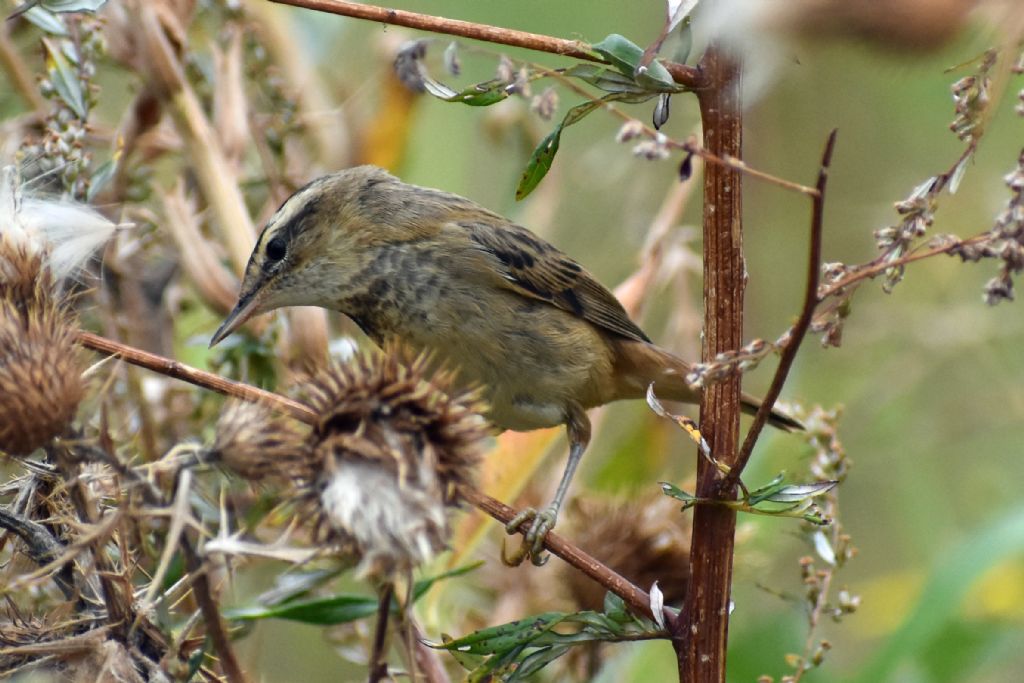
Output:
x=625 y=56
x=502 y=638
x=466 y=660
x=621 y=52
x=544 y=155
x=798 y=493
x=603 y=78
x=336 y=609
x=73 y=5
x=675 y=492
x=44 y=20
x=536 y=661
x=761 y=493
x=540 y=163
x=101 y=178
x=65 y=79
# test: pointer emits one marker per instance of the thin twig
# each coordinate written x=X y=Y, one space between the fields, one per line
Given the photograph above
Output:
x=681 y=73
x=875 y=268
x=637 y=599
x=203 y=593
x=378 y=659
x=200 y=378
x=803 y=324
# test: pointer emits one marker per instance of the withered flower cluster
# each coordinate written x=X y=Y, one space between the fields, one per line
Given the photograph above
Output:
x=390 y=445
x=40 y=375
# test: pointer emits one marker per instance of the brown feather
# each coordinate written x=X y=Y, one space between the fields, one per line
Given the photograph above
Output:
x=531 y=267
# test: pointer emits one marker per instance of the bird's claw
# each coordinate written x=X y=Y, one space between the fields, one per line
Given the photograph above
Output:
x=540 y=523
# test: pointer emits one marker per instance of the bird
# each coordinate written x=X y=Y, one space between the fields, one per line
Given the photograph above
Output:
x=441 y=274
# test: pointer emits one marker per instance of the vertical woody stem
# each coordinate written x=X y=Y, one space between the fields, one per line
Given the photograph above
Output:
x=701 y=633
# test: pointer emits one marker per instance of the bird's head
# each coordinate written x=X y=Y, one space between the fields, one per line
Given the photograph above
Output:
x=314 y=245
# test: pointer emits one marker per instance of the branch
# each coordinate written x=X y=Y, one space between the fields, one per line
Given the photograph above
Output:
x=637 y=599
x=194 y=376
x=681 y=73
x=803 y=324
x=211 y=614
x=701 y=633
x=877 y=267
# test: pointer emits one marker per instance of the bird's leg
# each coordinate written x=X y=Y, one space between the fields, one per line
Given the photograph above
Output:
x=578 y=428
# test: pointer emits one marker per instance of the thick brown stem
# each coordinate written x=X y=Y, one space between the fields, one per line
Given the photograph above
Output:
x=702 y=631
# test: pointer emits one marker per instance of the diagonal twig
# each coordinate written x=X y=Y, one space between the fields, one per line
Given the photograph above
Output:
x=803 y=324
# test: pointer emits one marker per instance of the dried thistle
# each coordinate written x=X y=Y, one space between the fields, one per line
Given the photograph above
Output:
x=645 y=539
x=258 y=443
x=40 y=379
x=388 y=451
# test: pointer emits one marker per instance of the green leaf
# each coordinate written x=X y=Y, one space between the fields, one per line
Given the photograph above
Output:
x=621 y=52
x=798 y=493
x=65 y=79
x=625 y=55
x=335 y=609
x=46 y=21
x=101 y=178
x=479 y=95
x=544 y=155
x=536 y=661
x=776 y=491
x=73 y=5
x=467 y=661
x=674 y=491
x=502 y=638
x=604 y=78
x=540 y=163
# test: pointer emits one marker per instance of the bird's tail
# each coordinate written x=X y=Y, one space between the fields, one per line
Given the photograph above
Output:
x=641 y=363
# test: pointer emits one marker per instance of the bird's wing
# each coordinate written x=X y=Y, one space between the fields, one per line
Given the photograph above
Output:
x=531 y=267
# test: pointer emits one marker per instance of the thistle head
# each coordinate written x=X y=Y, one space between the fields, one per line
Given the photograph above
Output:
x=389 y=449
x=41 y=241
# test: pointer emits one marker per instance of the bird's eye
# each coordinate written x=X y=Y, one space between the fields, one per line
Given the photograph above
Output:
x=276 y=248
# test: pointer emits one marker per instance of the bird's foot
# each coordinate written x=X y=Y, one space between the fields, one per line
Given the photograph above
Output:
x=540 y=523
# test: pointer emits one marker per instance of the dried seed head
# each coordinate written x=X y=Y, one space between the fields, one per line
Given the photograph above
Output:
x=41 y=241
x=389 y=449
x=63 y=233
x=40 y=378
x=645 y=539
x=257 y=443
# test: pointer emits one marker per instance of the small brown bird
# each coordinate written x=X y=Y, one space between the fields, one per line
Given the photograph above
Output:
x=440 y=273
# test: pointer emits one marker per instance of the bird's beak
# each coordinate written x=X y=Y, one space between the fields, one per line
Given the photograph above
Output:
x=245 y=309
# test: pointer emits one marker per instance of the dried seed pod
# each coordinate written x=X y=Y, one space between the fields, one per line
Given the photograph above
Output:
x=645 y=539
x=257 y=443
x=40 y=377
x=389 y=449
